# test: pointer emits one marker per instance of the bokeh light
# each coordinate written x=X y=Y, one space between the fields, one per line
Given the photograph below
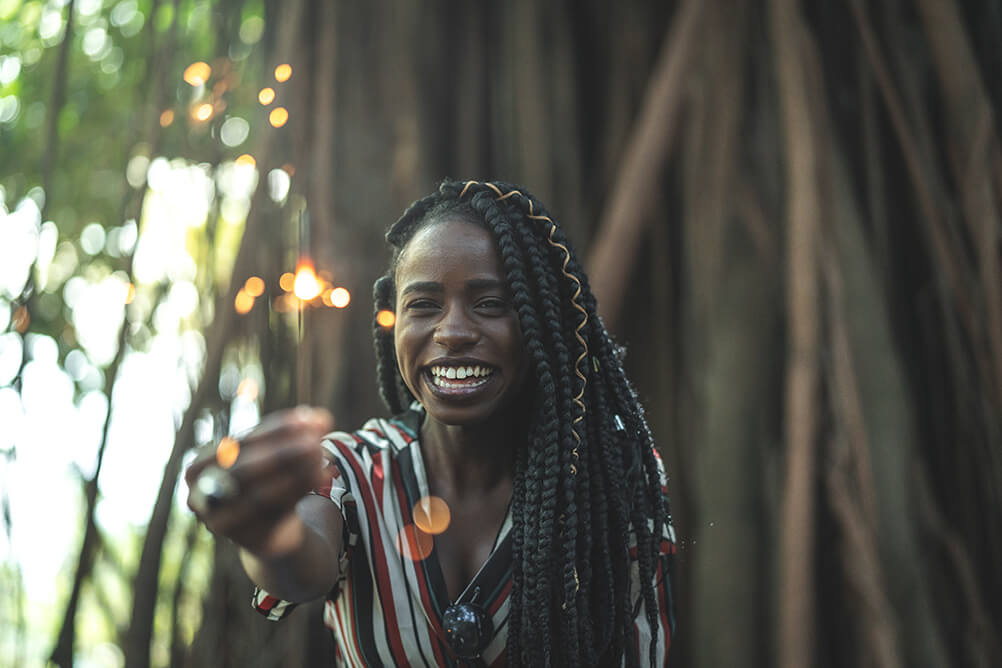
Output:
x=340 y=297
x=278 y=117
x=92 y=238
x=386 y=318
x=283 y=72
x=130 y=294
x=254 y=286
x=197 y=74
x=413 y=543
x=11 y=357
x=227 y=452
x=166 y=118
x=234 y=131
x=246 y=159
x=266 y=96
x=251 y=29
x=278 y=185
x=248 y=389
x=287 y=281
x=306 y=285
x=202 y=112
x=243 y=302
x=10 y=68
x=432 y=515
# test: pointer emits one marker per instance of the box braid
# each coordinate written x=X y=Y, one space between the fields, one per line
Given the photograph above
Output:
x=587 y=487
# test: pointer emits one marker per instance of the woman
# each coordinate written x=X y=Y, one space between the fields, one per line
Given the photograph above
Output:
x=513 y=510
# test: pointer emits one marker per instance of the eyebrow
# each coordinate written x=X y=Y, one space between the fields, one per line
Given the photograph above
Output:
x=434 y=286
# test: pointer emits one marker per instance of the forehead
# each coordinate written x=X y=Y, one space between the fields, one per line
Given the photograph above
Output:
x=449 y=246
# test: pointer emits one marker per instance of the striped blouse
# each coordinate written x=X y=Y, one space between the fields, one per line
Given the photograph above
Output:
x=386 y=608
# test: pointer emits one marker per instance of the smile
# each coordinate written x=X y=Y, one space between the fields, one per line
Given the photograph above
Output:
x=460 y=372
x=459 y=380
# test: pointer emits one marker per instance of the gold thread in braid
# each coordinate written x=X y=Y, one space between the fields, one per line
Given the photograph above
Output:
x=584 y=319
x=574 y=301
x=494 y=188
x=466 y=187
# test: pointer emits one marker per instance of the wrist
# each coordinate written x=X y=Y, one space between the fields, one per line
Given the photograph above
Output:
x=284 y=538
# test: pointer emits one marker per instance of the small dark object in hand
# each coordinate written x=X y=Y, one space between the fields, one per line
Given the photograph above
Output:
x=213 y=488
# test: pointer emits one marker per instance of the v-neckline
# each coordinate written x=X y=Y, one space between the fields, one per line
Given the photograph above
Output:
x=493 y=572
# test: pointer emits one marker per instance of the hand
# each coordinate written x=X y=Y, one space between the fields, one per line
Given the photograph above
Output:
x=279 y=462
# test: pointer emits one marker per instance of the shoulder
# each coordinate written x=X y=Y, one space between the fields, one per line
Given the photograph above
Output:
x=376 y=436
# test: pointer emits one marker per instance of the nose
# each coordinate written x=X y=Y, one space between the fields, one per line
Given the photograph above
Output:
x=455 y=330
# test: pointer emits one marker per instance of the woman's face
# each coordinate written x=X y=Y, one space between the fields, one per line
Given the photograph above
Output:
x=458 y=342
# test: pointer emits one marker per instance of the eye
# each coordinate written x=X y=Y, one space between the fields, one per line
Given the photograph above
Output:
x=493 y=304
x=420 y=304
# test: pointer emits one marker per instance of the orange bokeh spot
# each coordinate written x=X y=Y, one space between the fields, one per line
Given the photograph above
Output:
x=197 y=74
x=202 y=112
x=278 y=116
x=306 y=286
x=247 y=389
x=340 y=297
x=166 y=118
x=246 y=159
x=386 y=318
x=287 y=281
x=414 y=543
x=431 y=515
x=227 y=452
x=254 y=286
x=130 y=294
x=266 y=95
x=283 y=72
x=243 y=302
x=21 y=319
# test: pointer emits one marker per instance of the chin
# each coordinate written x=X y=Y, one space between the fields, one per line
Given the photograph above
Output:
x=456 y=417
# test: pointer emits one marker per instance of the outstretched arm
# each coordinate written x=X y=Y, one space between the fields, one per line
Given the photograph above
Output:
x=289 y=539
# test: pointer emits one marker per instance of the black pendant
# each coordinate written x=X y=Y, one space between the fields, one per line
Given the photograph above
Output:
x=467 y=629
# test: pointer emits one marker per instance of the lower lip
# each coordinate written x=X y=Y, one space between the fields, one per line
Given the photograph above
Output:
x=458 y=390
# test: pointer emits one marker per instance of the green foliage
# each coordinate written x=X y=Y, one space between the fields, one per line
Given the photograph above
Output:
x=120 y=104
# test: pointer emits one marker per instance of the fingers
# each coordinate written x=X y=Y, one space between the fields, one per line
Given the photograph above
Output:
x=282 y=423
x=257 y=480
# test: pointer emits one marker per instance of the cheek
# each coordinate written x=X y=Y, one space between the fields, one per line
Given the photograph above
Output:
x=400 y=347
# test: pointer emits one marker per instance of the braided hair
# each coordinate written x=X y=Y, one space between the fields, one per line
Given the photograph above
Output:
x=587 y=487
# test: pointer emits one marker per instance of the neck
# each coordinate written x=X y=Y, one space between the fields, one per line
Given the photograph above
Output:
x=470 y=459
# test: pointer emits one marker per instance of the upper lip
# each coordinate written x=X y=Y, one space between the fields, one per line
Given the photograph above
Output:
x=458 y=361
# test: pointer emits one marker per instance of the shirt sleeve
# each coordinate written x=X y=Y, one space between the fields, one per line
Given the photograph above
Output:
x=337 y=489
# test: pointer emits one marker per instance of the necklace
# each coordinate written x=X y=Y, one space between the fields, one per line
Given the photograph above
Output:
x=466 y=627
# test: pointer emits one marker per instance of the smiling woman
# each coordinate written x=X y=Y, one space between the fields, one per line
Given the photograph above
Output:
x=454 y=313
x=550 y=542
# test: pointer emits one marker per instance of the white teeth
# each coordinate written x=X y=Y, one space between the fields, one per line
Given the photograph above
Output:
x=442 y=381
x=460 y=372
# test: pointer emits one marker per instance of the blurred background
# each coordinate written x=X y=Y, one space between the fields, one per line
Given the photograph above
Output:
x=790 y=213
